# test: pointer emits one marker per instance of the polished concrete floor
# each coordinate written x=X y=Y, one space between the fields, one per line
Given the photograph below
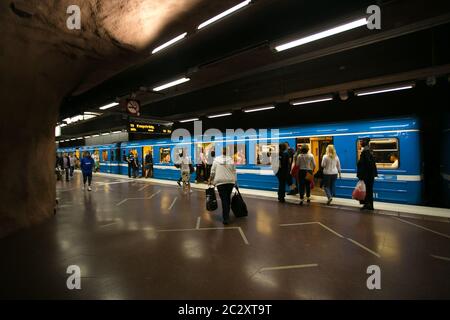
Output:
x=139 y=240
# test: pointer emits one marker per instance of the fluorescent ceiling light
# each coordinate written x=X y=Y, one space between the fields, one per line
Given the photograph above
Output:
x=87 y=137
x=311 y=100
x=171 y=84
x=105 y=134
x=323 y=34
x=79 y=138
x=95 y=135
x=220 y=115
x=169 y=43
x=116 y=131
x=188 y=120
x=110 y=105
x=223 y=14
x=259 y=109
x=73 y=139
x=366 y=92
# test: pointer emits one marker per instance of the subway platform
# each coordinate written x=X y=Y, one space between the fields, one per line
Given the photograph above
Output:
x=141 y=239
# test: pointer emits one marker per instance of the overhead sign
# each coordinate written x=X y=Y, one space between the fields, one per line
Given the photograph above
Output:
x=148 y=128
x=131 y=106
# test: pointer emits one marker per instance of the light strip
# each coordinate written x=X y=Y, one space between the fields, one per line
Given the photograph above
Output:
x=259 y=109
x=223 y=14
x=117 y=131
x=323 y=34
x=188 y=120
x=312 y=100
x=110 y=105
x=87 y=137
x=95 y=135
x=169 y=43
x=220 y=115
x=171 y=84
x=105 y=134
x=380 y=90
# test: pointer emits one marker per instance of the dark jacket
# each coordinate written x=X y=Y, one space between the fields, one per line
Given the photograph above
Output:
x=87 y=165
x=367 y=168
x=149 y=159
x=283 y=158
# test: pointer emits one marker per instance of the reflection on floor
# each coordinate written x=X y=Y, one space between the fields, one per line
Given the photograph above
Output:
x=136 y=240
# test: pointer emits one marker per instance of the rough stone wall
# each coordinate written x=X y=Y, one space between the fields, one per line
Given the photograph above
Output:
x=41 y=62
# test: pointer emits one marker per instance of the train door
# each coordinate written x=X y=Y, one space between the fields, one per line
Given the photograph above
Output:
x=145 y=151
x=104 y=161
x=317 y=147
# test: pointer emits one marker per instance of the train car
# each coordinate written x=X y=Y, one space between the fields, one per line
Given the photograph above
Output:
x=107 y=157
x=395 y=144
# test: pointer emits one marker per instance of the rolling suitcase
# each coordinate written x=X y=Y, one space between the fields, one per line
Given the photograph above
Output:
x=238 y=204
x=211 y=200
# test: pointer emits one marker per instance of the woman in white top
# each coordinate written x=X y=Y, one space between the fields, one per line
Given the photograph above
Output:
x=306 y=164
x=223 y=176
x=331 y=168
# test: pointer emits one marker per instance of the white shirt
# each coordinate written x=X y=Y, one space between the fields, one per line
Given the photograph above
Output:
x=331 y=166
x=223 y=170
x=306 y=162
x=185 y=162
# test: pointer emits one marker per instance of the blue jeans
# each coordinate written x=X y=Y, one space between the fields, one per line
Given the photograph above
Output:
x=329 y=183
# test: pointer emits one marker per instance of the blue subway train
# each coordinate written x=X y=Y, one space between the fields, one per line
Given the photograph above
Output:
x=395 y=144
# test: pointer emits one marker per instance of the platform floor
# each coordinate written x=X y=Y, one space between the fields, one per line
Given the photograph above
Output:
x=141 y=240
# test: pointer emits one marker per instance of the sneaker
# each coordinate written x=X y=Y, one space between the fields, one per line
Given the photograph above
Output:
x=329 y=201
x=308 y=200
x=301 y=202
x=281 y=200
x=89 y=188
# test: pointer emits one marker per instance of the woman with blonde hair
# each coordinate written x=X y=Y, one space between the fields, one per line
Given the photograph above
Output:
x=331 y=168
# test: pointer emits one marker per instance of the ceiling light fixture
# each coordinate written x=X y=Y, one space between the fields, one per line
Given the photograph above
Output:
x=312 y=100
x=259 y=109
x=110 y=105
x=223 y=14
x=169 y=43
x=171 y=84
x=220 y=115
x=323 y=34
x=396 y=87
x=189 y=120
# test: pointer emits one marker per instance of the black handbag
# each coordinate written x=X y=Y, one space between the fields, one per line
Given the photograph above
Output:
x=238 y=204
x=211 y=200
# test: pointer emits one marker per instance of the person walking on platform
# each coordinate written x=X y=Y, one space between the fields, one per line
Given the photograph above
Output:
x=367 y=172
x=148 y=164
x=87 y=166
x=66 y=165
x=223 y=176
x=135 y=167
x=331 y=169
x=72 y=161
x=306 y=165
x=283 y=171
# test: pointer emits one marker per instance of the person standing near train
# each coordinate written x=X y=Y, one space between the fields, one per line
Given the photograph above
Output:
x=306 y=165
x=71 y=164
x=87 y=166
x=367 y=172
x=331 y=169
x=223 y=176
x=148 y=164
x=283 y=171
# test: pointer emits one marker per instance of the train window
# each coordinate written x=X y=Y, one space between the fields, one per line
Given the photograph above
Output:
x=264 y=153
x=203 y=152
x=164 y=155
x=238 y=152
x=385 y=151
x=105 y=155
